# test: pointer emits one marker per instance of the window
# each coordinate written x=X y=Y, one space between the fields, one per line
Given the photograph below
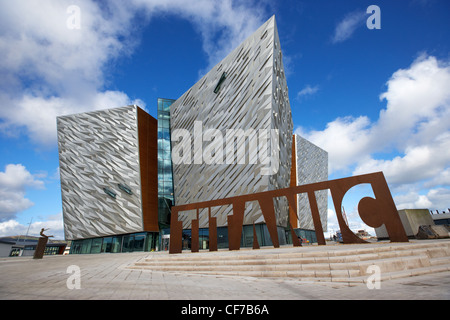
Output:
x=86 y=246
x=106 y=246
x=127 y=244
x=76 y=246
x=124 y=188
x=116 y=244
x=51 y=250
x=139 y=241
x=109 y=192
x=96 y=245
x=203 y=235
x=219 y=84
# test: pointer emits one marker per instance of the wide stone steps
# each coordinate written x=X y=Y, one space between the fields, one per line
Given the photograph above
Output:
x=346 y=263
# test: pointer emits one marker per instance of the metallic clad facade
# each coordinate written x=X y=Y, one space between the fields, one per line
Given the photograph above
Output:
x=100 y=150
x=312 y=166
x=253 y=96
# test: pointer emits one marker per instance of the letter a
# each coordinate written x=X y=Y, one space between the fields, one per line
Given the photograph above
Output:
x=74 y=20
x=373 y=281
x=74 y=281
x=374 y=21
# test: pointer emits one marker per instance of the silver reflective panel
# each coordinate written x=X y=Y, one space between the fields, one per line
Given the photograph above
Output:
x=98 y=151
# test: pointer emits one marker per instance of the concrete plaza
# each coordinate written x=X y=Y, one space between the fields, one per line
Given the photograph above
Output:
x=108 y=276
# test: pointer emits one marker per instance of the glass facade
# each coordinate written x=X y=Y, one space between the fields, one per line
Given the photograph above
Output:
x=165 y=179
x=284 y=237
x=262 y=233
x=305 y=235
x=142 y=241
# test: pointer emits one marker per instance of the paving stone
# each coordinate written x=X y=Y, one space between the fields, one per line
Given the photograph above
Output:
x=107 y=276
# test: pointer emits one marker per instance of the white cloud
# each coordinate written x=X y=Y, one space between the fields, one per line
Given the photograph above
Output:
x=53 y=70
x=13 y=227
x=10 y=227
x=36 y=42
x=416 y=127
x=418 y=104
x=345 y=28
x=56 y=174
x=41 y=125
x=345 y=139
x=409 y=142
x=222 y=24
x=442 y=179
x=415 y=122
x=422 y=162
x=332 y=223
x=434 y=199
x=47 y=69
x=13 y=183
x=307 y=91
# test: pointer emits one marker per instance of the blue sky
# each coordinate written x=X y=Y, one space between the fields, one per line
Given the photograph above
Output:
x=375 y=99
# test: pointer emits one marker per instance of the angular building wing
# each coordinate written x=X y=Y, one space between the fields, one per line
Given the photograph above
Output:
x=237 y=119
x=310 y=165
x=108 y=168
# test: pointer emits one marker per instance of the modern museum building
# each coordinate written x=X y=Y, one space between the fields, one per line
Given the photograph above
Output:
x=230 y=134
